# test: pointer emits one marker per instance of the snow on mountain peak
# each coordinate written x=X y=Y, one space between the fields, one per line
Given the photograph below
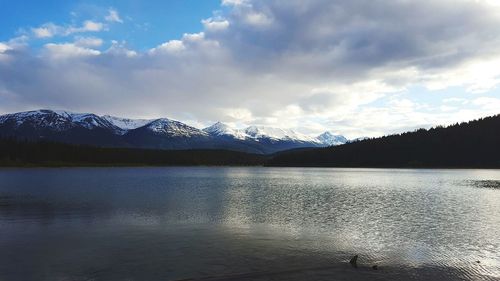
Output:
x=327 y=138
x=221 y=129
x=126 y=123
x=91 y=121
x=258 y=132
x=59 y=120
x=218 y=127
x=39 y=118
x=174 y=128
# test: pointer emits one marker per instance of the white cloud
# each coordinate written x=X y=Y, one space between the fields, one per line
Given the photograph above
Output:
x=478 y=75
x=4 y=47
x=240 y=115
x=113 y=16
x=191 y=43
x=49 y=30
x=234 y=2
x=11 y=47
x=42 y=32
x=489 y=104
x=447 y=108
x=68 y=50
x=46 y=30
x=193 y=37
x=88 y=42
x=258 y=19
x=88 y=26
x=455 y=100
x=120 y=49
x=170 y=46
x=495 y=3
x=212 y=24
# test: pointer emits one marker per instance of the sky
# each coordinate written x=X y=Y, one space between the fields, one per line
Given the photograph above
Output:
x=356 y=68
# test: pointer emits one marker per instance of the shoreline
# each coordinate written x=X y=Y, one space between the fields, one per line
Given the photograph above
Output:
x=133 y=165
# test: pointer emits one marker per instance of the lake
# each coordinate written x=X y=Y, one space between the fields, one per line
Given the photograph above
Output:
x=257 y=223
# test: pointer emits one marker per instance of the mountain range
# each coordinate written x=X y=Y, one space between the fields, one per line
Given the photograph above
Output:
x=162 y=133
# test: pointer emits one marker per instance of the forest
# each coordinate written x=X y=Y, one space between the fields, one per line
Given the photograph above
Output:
x=474 y=144
x=31 y=153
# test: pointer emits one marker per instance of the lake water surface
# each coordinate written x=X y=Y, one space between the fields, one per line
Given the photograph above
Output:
x=249 y=224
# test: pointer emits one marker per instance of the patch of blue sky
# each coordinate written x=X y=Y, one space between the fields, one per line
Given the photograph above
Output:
x=146 y=24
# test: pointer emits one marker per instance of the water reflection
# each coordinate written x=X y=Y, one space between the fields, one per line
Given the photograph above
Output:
x=172 y=223
x=493 y=184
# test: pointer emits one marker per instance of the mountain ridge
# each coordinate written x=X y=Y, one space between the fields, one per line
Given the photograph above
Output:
x=160 y=133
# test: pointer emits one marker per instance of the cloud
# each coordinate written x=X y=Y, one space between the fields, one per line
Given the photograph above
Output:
x=212 y=24
x=8 y=48
x=49 y=30
x=42 y=32
x=68 y=50
x=119 y=49
x=258 y=19
x=234 y=2
x=88 y=26
x=88 y=42
x=170 y=46
x=488 y=104
x=113 y=16
x=330 y=64
x=4 y=47
x=343 y=99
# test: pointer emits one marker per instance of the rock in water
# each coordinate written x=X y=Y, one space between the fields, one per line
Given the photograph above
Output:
x=354 y=261
x=375 y=267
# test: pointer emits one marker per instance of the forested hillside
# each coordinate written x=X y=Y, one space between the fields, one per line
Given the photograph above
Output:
x=28 y=153
x=472 y=144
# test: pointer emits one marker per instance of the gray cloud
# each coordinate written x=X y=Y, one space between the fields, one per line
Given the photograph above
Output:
x=322 y=58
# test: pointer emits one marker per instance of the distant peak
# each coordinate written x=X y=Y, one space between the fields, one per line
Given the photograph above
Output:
x=127 y=123
x=161 y=120
x=218 y=124
x=222 y=129
x=329 y=138
x=328 y=133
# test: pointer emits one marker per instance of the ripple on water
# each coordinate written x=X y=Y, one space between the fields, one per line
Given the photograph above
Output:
x=490 y=184
x=274 y=224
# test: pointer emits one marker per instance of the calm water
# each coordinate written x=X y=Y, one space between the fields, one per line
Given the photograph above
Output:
x=248 y=224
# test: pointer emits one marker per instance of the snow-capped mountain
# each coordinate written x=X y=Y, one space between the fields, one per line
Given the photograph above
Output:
x=222 y=130
x=39 y=118
x=173 y=128
x=57 y=120
x=260 y=132
x=330 y=139
x=126 y=123
x=163 y=133
x=90 y=121
x=257 y=133
x=61 y=126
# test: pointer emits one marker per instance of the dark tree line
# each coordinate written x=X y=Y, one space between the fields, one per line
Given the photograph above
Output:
x=30 y=153
x=466 y=145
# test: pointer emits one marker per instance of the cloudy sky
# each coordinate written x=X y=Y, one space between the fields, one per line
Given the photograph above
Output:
x=358 y=67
